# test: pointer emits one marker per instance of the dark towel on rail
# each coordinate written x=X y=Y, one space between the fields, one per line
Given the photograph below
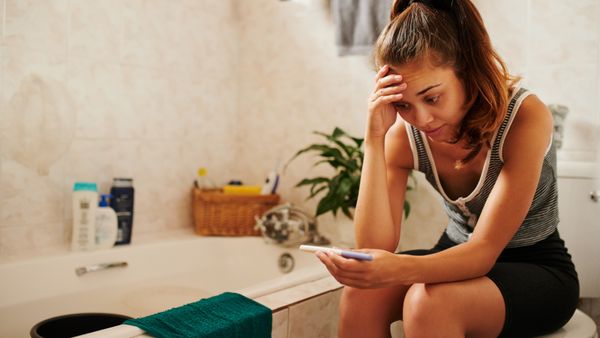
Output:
x=228 y=315
x=358 y=23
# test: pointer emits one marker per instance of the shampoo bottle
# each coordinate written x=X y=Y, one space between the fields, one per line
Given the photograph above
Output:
x=122 y=204
x=106 y=224
x=85 y=198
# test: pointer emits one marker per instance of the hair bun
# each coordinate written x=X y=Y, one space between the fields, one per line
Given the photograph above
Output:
x=400 y=5
x=444 y=5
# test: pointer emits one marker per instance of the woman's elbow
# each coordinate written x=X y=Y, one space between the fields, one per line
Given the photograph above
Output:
x=484 y=260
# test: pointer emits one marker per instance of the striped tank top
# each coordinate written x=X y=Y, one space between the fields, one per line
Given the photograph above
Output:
x=463 y=212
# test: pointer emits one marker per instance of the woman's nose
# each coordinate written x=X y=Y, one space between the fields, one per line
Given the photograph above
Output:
x=424 y=117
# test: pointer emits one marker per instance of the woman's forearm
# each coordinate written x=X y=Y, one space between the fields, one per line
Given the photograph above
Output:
x=374 y=226
x=465 y=261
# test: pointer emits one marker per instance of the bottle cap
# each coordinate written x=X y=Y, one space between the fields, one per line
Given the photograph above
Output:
x=104 y=200
x=87 y=186
x=121 y=182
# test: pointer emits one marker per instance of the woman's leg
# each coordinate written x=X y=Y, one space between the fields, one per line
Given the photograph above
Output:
x=471 y=308
x=369 y=312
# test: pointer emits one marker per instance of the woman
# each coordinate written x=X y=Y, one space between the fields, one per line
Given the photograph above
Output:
x=444 y=104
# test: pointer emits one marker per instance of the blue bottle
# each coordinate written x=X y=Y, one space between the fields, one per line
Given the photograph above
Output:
x=122 y=203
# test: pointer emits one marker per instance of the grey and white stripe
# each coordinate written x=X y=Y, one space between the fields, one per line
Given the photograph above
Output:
x=542 y=217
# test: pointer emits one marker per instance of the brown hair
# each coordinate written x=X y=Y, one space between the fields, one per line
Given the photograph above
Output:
x=452 y=33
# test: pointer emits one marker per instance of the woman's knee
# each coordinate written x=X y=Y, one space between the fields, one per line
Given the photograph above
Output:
x=474 y=306
x=424 y=304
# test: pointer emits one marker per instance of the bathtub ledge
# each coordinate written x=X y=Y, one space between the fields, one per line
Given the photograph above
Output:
x=299 y=293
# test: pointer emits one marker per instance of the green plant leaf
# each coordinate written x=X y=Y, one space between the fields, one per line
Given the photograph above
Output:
x=309 y=181
x=313 y=147
x=347 y=148
x=337 y=132
x=358 y=141
x=314 y=191
x=327 y=203
x=347 y=212
x=344 y=186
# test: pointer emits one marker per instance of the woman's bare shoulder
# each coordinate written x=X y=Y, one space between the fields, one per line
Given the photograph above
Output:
x=398 y=151
x=532 y=125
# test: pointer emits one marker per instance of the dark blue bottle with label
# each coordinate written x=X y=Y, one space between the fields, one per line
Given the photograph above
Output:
x=122 y=203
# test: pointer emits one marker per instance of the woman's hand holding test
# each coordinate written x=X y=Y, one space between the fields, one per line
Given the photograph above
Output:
x=383 y=271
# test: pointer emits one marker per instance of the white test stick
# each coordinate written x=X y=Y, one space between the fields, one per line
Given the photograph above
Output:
x=344 y=253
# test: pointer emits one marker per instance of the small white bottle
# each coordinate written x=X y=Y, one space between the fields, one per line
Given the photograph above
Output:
x=106 y=224
x=270 y=185
x=85 y=199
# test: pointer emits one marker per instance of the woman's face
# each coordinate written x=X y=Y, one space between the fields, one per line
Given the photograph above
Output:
x=434 y=100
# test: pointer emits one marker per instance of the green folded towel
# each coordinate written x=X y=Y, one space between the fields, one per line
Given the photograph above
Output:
x=228 y=315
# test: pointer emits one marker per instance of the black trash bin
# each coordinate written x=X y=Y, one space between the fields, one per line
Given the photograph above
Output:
x=75 y=324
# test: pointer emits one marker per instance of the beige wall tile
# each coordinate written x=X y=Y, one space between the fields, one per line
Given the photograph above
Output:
x=280 y=324
x=506 y=22
x=97 y=30
x=27 y=198
x=42 y=25
x=316 y=317
x=29 y=241
x=576 y=87
x=564 y=32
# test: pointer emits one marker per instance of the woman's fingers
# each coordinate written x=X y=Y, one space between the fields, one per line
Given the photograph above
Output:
x=381 y=72
x=343 y=277
x=340 y=264
x=388 y=87
x=386 y=99
x=391 y=90
x=353 y=279
x=389 y=80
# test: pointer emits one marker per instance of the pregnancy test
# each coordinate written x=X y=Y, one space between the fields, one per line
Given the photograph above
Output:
x=344 y=253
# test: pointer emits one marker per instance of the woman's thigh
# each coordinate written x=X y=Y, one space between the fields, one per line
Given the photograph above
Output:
x=539 y=299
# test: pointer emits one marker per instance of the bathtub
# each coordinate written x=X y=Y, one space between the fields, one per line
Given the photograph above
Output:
x=145 y=279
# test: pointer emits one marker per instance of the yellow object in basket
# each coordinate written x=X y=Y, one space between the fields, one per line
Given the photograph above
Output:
x=242 y=189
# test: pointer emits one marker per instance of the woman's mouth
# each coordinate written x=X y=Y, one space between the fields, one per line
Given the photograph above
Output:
x=433 y=132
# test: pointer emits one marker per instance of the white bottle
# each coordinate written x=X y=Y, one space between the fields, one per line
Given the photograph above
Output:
x=85 y=199
x=106 y=224
x=270 y=185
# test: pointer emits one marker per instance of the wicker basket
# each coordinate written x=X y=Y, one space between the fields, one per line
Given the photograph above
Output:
x=219 y=214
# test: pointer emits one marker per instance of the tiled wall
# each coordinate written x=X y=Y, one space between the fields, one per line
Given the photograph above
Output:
x=315 y=317
x=92 y=90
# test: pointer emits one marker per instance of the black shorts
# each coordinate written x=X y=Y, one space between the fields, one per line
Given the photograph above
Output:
x=538 y=282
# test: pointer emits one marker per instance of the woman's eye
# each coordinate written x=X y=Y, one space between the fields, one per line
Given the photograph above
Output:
x=401 y=106
x=433 y=99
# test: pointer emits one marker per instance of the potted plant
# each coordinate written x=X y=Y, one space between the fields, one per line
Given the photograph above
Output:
x=344 y=153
